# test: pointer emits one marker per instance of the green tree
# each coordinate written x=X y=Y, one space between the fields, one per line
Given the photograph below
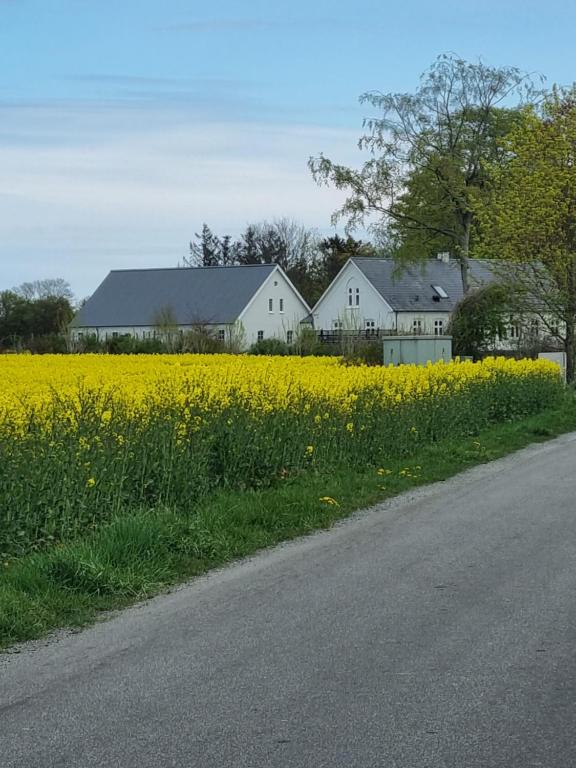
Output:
x=428 y=153
x=529 y=218
x=23 y=319
x=15 y=318
x=479 y=319
x=50 y=316
x=333 y=253
x=206 y=250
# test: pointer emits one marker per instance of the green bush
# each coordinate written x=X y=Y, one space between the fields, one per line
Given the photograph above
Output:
x=49 y=344
x=269 y=347
x=366 y=352
x=479 y=320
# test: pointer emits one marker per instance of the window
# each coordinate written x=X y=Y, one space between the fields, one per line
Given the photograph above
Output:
x=350 y=294
x=370 y=328
x=260 y=335
x=80 y=335
x=270 y=305
x=289 y=337
x=114 y=334
x=281 y=302
x=417 y=325
x=438 y=327
x=337 y=325
x=357 y=297
x=555 y=328
x=513 y=329
x=440 y=291
x=221 y=335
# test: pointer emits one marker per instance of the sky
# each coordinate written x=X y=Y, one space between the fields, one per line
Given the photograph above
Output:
x=124 y=126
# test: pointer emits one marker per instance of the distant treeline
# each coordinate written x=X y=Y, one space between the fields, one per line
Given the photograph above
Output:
x=35 y=316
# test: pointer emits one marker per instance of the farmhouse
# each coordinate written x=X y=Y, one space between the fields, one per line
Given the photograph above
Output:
x=251 y=302
x=372 y=295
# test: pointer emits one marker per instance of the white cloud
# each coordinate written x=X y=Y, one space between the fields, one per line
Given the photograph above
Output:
x=86 y=191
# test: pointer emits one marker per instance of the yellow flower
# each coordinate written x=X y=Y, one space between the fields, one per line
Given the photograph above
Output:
x=90 y=483
x=329 y=500
x=350 y=427
x=309 y=450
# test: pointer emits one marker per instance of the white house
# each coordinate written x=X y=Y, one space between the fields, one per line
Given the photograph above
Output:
x=371 y=295
x=255 y=302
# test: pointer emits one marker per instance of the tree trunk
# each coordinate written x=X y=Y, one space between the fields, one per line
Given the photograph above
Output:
x=570 y=350
x=464 y=252
x=570 y=337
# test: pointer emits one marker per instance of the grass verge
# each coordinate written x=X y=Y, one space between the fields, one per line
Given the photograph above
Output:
x=138 y=555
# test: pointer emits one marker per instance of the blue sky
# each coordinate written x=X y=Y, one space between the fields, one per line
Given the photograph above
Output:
x=125 y=125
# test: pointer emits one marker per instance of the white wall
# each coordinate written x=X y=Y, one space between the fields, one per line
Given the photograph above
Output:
x=333 y=307
x=106 y=333
x=427 y=321
x=275 y=324
x=138 y=331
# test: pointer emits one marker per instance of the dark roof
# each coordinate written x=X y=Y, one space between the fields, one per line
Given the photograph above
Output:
x=135 y=297
x=410 y=289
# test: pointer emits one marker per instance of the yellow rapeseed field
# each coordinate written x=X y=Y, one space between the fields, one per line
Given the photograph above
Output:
x=84 y=437
x=209 y=381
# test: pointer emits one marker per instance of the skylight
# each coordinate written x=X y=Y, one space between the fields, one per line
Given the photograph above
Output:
x=440 y=291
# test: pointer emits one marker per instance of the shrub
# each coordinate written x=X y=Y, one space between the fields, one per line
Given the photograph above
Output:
x=478 y=320
x=51 y=343
x=269 y=347
x=366 y=352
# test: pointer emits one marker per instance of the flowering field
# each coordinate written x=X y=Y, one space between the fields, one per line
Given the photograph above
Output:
x=84 y=438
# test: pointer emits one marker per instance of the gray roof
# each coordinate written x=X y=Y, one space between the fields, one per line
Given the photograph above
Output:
x=410 y=289
x=210 y=295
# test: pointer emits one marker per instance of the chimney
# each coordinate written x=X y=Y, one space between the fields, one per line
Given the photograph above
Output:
x=443 y=257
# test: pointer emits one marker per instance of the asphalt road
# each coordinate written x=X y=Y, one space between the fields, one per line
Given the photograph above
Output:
x=435 y=630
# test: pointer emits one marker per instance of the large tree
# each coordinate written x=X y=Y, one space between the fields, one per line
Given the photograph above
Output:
x=48 y=288
x=529 y=218
x=24 y=319
x=428 y=153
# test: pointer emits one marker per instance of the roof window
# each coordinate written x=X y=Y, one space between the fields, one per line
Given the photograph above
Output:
x=440 y=291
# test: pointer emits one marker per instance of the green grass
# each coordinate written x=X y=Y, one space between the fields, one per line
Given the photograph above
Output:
x=138 y=555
